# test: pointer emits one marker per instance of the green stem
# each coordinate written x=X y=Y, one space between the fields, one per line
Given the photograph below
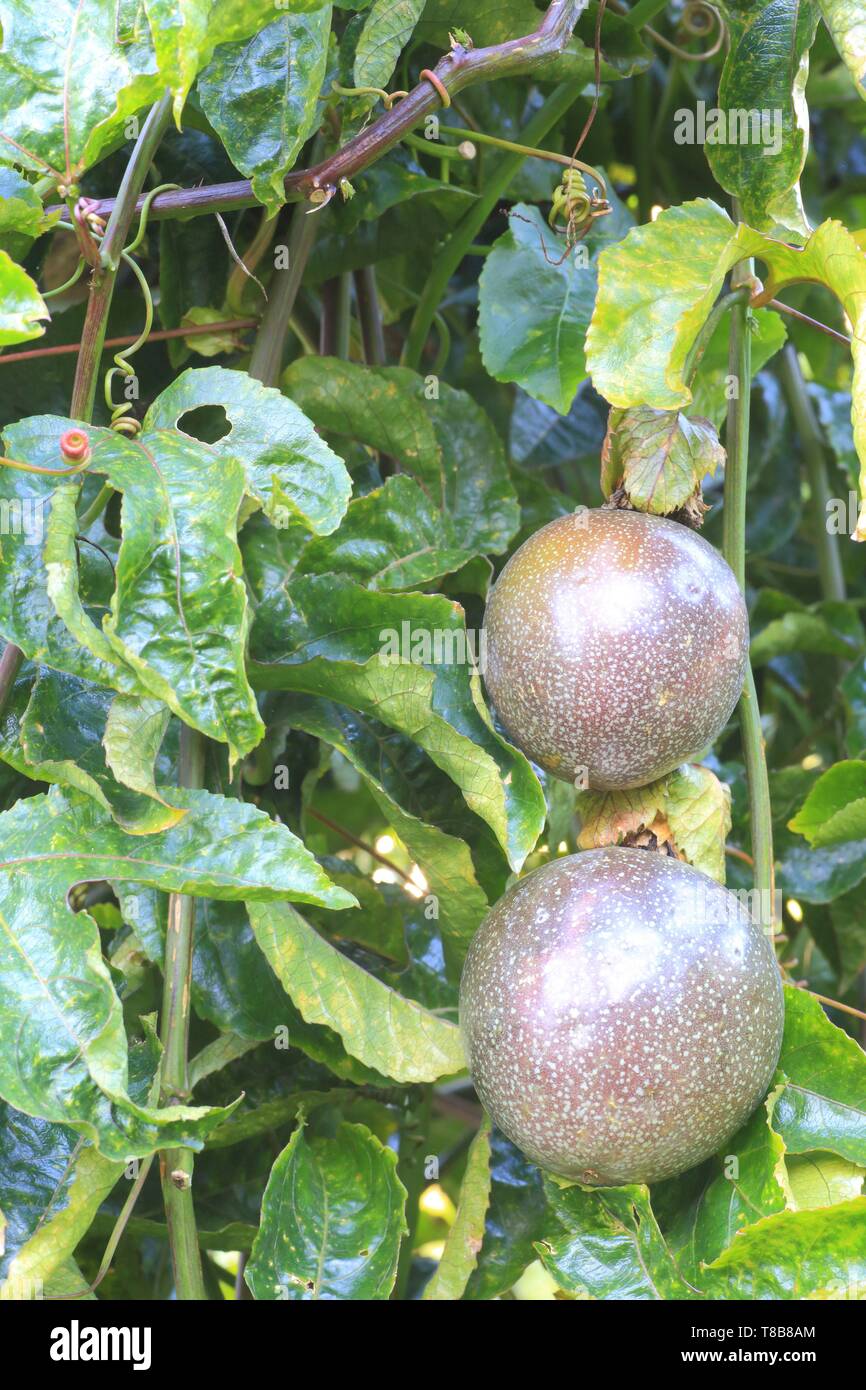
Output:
x=827 y=545
x=266 y=362
x=734 y=547
x=102 y=285
x=176 y=1165
x=96 y=508
x=343 y=320
x=641 y=104
x=452 y=253
x=414 y=1135
x=370 y=316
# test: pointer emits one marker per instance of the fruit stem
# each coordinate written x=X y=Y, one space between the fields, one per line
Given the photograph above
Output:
x=734 y=548
x=176 y=1165
x=455 y=248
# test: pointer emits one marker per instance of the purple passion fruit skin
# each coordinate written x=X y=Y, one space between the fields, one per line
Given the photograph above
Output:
x=621 y=1015
x=616 y=647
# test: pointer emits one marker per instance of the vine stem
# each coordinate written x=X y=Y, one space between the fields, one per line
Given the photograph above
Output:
x=410 y=1168
x=458 y=69
x=116 y=233
x=829 y=559
x=176 y=1165
x=266 y=360
x=455 y=248
x=702 y=341
x=734 y=547
x=370 y=316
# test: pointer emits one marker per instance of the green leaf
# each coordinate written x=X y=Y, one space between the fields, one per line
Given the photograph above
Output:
x=290 y=471
x=797 y=632
x=709 y=388
x=233 y=986
x=378 y=1026
x=657 y=286
x=260 y=96
x=795 y=1255
x=440 y=437
x=22 y=217
x=534 y=307
x=52 y=1188
x=513 y=1222
x=332 y=1217
x=844 y=19
x=394 y=773
x=179 y=613
x=69 y=732
x=736 y=1188
x=460 y=1255
x=823 y=1103
x=60 y=1009
x=606 y=1242
x=21 y=304
x=835 y=809
x=69 y=87
x=348 y=644
x=822 y=1180
x=765 y=71
x=387 y=29
x=658 y=457
x=698 y=810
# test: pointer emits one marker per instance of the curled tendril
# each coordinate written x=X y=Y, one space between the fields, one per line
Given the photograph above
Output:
x=698 y=19
x=387 y=98
x=122 y=418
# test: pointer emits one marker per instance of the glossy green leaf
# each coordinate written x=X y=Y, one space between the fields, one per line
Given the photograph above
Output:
x=844 y=19
x=441 y=437
x=21 y=304
x=233 y=986
x=658 y=457
x=797 y=632
x=513 y=1222
x=289 y=469
x=260 y=96
x=62 y=1041
x=392 y=538
x=795 y=1255
x=460 y=1255
x=51 y=1187
x=535 y=304
x=760 y=151
x=378 y=1026
x=387 y=29
x=179 y=612
x=22 y=217
x=822 y=1180
x=823 y=1103
x=70 y=731
x=69 y=87
x=606 y=1243
x=393 y=775
x=835 y=809
x=332 y=1219
x=350 y=645
x=738 y=1186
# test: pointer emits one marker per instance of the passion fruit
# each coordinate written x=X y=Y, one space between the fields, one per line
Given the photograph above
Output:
x=621 y=1015
x=616 y=647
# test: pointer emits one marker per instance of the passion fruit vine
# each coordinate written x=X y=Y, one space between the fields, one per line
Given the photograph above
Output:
x=621 y=1014
x=616 y=647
